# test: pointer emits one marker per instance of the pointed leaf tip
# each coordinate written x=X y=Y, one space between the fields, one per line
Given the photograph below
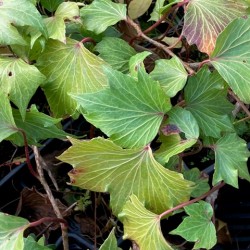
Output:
x=231 y=155
x=102 y=166
x=130 y=111
x=142 y=226
x=198 y=227
x=231 y=57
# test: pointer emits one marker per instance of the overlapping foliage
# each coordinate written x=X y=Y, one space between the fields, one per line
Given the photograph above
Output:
x=151 y=115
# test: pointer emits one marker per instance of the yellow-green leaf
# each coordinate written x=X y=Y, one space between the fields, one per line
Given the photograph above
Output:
x=142 y=226
x=137 y=8
x=55 y=24
x=69 y=68
x=110 y=243
x=7 y=124
x=20 y=81
x=102 y=166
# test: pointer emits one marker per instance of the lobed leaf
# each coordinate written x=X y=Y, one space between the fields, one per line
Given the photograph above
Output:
x=200 y=179
x=7 y=124
x=231 y=157
x=20 y=81
x=130 y=111
x=69 y=68
x=11 y=232
x=30 y=243
x=180 y=120
x=198 y=227
x=55 y=24
x=101 y=14
x=12 y=15
x=231 y=57
x=110 y=243
x=116 y=52
x=37 y=126
x=102 y=166
x=206 y=98
x=136 y=62
x=205 y=20
x=156 y=13
x=142 y=226
x=171 y=74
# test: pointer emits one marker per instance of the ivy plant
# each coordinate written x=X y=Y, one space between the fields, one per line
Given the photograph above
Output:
x=159 y=79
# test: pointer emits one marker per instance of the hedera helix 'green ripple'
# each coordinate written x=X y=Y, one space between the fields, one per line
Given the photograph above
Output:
x=155 y=110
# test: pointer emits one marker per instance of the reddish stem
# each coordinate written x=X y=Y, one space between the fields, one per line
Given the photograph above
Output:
x=47 y=219
x=87 y=40
x=164 y=17
x=184 y=204
x=203 y=62
x=26 y=148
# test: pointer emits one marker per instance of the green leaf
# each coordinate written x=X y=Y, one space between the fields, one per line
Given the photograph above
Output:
x=55 y=24
x=136 y=62
x=130 y=112
x=142 y=226
x=231 y=157
x=110 y=243
x=37 y=127
x=166 y=8
x=231 y=57
x=200 y=179
x=185 y=122
x=206 y=99
x=179 y=120
x=137 y=8
x=116 y=52
x=19 y=13
x=198 y=227
x=30 y=243
x=156 y=14
x=70 y=68
x=7 y=124
x=11 y=232
x=20 y=81
x=204 y=20
x=171 y=74
x=101 y=14
x=102 y=166
x=51 y=5
x=171 y=145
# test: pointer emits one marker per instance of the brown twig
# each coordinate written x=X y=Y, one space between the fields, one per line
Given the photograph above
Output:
x=51 y=198
x=47 y=219
x=95 y=243
x=242 y=105
x=184 y=204
x=200 y=146
x=157 y=44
